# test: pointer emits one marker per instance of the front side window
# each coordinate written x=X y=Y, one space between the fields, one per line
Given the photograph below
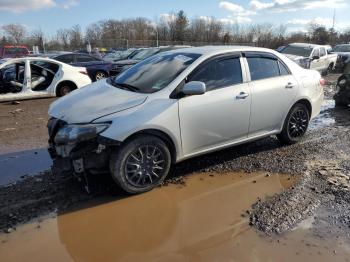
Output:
x=316 y=52
x=219 y=73
x=263 y=67
x=154 y=73
x=322 y=52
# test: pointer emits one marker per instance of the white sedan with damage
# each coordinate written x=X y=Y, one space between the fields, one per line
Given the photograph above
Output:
x=181 y=104
x=34 y=77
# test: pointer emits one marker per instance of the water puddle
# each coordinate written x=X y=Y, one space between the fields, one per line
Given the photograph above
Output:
x=205 y=220
x=331 y=116
x=13 y=166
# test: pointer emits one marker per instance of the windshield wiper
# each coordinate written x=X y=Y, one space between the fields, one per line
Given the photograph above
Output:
x=127 y=87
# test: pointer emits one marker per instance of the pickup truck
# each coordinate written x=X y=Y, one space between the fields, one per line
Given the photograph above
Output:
x=11 y=51
x=310 y=56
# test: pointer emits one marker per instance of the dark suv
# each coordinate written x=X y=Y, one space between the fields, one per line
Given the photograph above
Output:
x=97 y=68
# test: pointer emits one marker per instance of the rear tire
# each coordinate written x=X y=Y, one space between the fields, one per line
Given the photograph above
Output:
x=141 y=164
x=64 y=89
x=295 y=124
x=100 y=75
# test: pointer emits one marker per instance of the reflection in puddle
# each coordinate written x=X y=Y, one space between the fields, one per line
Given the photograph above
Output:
x=331 y=116
x=30 y=162
x=201 y=221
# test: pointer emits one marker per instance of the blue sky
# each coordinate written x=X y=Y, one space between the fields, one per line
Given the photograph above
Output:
x=51 y=15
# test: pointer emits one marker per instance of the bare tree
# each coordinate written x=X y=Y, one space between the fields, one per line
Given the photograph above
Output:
x=62 y=37
x=16 y=32
x=75 y=37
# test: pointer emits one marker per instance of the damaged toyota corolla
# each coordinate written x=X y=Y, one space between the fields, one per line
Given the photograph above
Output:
x=177 y=105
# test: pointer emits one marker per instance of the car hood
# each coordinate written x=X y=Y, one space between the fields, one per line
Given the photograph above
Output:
x=94 y=101
x=127 y=62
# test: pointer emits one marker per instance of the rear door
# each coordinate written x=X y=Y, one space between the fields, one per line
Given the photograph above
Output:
x=221 y=115
x=273 y=91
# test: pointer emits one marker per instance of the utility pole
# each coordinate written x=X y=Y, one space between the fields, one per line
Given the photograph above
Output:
x=333 y=19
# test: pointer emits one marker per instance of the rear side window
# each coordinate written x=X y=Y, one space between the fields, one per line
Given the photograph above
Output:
x=219 y=73
x=85 y=58
x=262 y=68
x=65 y=58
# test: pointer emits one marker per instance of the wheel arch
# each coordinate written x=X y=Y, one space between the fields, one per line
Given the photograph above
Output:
x=161 y=135
x=306 y=103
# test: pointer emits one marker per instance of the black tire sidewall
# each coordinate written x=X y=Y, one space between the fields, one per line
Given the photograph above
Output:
x=284 y=136
x=60 y=93
x=118 y=160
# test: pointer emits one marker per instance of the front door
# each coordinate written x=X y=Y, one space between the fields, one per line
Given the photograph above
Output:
x=219 y=116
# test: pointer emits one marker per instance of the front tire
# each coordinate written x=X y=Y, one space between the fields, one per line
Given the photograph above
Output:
x=141 y=164
x=295 y=124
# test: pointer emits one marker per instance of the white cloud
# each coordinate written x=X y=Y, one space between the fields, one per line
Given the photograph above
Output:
x=239 y=15
x=69 y=3
x=295 y=5
x=317 y=20
x=231 y=7
x=167 y=17
x=18 y=6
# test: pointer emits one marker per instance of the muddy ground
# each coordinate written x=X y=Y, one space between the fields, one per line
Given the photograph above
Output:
x=321 y=161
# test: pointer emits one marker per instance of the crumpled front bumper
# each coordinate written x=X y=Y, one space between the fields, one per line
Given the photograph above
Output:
x=92 y=155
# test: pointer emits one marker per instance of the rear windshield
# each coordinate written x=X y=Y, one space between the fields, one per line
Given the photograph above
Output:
x=154 y=73
x=297 y=50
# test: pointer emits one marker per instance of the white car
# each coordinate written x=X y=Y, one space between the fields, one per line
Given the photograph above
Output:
x=180 y=104
x=33 y=77
x=310 y=56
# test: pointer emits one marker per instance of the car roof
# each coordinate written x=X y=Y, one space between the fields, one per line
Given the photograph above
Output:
x=208 y=50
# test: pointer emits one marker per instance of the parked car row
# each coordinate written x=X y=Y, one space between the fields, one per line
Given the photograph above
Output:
x=324 y=58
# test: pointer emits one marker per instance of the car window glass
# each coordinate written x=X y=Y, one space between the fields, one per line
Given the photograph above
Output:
x=262 y=68
x=85 y=58
x=219 y=73
x=322 y=52
x=316 y=52
x=51 y=67
x=283 y=69
x=65 y=58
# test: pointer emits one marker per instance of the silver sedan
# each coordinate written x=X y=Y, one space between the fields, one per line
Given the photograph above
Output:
x=180 y=104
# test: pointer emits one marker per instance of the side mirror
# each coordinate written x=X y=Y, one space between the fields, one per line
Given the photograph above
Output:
x=194 y=88
x=316 y=57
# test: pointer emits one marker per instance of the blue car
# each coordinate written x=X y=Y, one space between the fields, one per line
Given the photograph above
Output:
x=97 y=68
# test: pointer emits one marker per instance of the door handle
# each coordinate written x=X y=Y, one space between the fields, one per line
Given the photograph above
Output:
x=242 y=95
x=289 y=85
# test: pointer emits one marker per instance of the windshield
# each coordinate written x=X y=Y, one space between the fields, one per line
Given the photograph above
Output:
x=297 y=50
x=342 y=48
x=154 y=73
x=145 y=53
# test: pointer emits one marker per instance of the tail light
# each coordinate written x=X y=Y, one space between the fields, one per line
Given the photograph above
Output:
x=323 y=82
x=83 y=71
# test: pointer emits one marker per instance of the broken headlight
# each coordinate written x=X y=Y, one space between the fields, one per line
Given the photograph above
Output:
x=78 y=133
